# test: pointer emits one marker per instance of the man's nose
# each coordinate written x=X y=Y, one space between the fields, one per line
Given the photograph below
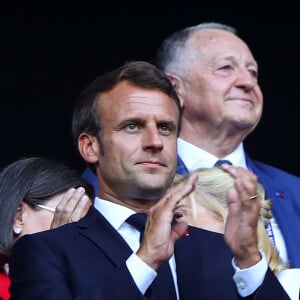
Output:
x=245 y=79
x=152 y=139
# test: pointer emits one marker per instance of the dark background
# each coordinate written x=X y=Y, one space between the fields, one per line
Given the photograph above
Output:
x=51 y=50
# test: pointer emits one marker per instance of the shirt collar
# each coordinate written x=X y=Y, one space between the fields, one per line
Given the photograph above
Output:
x=115 y=214
x=195 y=157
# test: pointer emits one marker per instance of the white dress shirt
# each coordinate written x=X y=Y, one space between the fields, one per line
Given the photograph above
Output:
x=142 y=274
x=194 y=157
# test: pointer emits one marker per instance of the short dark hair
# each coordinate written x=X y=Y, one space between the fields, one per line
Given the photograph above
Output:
x=34 y=180
x=138 y=73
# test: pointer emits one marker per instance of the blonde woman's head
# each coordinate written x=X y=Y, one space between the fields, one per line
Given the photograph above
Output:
x=206 y=208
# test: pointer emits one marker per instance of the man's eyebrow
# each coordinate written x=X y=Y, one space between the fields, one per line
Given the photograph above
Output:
x=126 y=121
x=171 y=122
x=133 y=119
x=233 y=59
x=253 y=63
x=136 y=120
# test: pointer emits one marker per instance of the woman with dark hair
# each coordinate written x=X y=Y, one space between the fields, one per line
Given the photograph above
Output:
x=37 y=194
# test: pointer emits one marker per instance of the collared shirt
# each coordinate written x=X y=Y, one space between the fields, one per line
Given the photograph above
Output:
x=194 y=157
x=142 y=274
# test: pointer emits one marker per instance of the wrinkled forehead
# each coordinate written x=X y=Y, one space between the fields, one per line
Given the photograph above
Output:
x=205 y=37
x=212 y=42
x=127 y=99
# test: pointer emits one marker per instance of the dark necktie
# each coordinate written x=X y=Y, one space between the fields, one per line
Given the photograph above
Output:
x=138 y=221
x=222 y=161
x=162 y=287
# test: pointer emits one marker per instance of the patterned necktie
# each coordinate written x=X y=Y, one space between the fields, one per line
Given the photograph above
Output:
x=222 y=161
x=162 y=287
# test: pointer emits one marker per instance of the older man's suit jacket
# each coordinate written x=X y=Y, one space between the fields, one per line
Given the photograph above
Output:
x=86 y=260
x=284 y=190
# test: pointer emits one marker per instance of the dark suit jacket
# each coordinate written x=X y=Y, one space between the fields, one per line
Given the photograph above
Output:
x=86 y=260
x=284 y=190
x=203 y=264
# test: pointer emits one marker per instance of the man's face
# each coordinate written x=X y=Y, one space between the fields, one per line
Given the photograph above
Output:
x=220 y=89
x=139 y=136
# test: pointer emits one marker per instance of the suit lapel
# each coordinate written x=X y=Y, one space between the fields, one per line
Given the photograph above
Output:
x=98 y=230
x=279 y=191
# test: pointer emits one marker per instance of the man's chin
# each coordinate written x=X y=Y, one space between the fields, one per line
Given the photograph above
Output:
x=153 y=186
x=153 y=191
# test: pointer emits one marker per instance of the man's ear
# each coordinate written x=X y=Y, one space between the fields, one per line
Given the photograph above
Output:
x=88 y=147
x=178 y=86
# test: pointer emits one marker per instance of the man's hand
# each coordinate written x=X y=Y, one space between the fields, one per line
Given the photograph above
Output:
x=160 y=235
x=243 y=213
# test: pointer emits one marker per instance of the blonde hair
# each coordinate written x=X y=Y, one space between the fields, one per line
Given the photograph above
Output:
x=211 y=192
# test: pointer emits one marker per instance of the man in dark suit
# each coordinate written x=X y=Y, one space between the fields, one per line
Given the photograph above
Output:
x=214 y=128
x=216 y=78
x=126 y=124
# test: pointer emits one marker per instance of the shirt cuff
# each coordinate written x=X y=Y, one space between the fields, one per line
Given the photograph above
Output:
x=249 y=280
x=141 y=273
